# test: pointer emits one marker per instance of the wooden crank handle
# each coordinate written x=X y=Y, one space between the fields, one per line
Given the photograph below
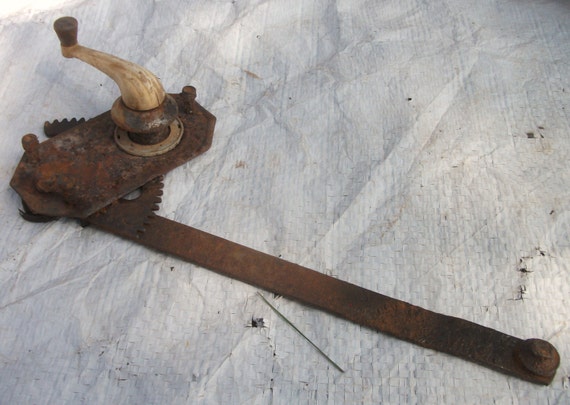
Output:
x=140 y=89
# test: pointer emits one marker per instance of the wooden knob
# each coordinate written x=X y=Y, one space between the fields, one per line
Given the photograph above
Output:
x=66 y=30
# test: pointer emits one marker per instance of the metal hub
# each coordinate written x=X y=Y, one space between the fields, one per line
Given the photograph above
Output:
x=124 y=141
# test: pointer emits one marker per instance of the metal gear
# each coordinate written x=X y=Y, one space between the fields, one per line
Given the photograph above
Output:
x=134 y=211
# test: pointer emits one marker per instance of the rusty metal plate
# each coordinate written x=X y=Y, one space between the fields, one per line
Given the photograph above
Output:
x=82 y=170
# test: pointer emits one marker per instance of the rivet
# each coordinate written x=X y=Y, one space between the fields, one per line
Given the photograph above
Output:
x=538 y=356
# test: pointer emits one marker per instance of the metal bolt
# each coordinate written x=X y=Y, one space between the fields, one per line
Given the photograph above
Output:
x=189 y=97
x=538 y=356
x=31 y=145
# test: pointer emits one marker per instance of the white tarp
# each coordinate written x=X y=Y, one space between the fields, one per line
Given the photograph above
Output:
x=419 y=149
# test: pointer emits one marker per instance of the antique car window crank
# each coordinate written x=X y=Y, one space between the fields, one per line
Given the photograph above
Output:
x=85 y=168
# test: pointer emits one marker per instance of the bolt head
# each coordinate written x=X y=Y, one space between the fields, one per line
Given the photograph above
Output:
x=538 y=356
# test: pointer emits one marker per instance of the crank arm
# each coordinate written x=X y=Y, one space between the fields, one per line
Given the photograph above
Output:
x=533 y=360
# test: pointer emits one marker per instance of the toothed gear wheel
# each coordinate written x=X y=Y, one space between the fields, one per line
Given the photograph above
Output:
x=136 y=210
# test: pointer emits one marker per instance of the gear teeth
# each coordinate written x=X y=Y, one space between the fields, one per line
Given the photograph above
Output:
x=149 y=198
x=147 y=222
x=29 y=216
x=134 y=215
x=56 y=127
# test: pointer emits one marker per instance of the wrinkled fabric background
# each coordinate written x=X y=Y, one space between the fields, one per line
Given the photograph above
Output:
x=419 y=149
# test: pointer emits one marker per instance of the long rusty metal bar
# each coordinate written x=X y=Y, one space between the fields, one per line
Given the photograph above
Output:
x=533 y=360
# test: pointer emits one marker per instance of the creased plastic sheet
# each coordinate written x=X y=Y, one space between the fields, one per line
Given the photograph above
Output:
x=419 y=149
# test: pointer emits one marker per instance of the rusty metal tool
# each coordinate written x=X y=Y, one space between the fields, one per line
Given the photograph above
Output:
x=86 y=167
